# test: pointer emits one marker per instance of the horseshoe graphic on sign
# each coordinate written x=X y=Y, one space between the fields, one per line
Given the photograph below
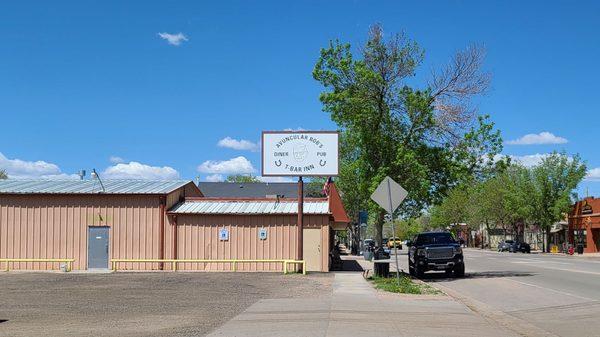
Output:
x=278 y=163
x=322 y=162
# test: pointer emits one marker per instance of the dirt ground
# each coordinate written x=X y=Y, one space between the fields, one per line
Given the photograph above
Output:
x=139 y=304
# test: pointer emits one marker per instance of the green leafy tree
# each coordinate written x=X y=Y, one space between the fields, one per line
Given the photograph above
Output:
x=454 y=209
x=242 y=178
x=487 y=203
x=3 y=174
x=314 y=188
x=427 y=140
x=407 y=229
x=555 y=180
x=517 y=191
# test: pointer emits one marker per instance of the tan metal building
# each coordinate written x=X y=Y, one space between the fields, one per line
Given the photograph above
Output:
x=124 y=219
x=54 y=219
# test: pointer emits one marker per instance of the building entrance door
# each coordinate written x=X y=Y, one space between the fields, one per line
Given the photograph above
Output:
x=311 y=248
x=97 y=247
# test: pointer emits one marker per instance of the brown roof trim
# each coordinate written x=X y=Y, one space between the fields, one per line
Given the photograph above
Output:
x=336 y=206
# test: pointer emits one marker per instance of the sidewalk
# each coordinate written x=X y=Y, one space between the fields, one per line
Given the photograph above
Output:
x=355 y=308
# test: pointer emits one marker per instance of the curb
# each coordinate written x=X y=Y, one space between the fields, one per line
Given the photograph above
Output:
x=495 y=316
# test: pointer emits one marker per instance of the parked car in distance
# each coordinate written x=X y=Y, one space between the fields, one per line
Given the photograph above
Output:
x=435 y=251
x=522 y=247
x=505 y=245
x=394 y=242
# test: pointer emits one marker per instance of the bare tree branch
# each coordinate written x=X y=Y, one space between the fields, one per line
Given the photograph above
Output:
x=454 y=86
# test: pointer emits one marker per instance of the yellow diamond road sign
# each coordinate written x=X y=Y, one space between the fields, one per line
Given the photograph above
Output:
x=389 y=195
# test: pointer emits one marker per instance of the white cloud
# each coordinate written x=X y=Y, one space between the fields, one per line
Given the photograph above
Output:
x=530 y=159
x=593 y=174
x=116 y=160
x=22 y=169
x=241 y=144
x=536 y=139
x=214 y=178
x=275 y=179
x=526 y=160
x=135 y=170
x=296 y=129
x=237 y=165
x=173 y=39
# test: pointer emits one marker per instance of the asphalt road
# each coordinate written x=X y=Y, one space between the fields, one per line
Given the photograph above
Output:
x=559 y=294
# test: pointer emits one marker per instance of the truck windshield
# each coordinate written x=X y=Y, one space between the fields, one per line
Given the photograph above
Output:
x=434 y=238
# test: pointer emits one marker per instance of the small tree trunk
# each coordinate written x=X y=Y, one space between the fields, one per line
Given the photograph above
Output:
x=547 y=239
x=379 y=228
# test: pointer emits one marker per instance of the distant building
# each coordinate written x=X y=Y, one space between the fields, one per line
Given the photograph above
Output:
x=584 y=225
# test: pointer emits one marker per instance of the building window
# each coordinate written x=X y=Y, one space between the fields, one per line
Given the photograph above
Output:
x=580 y=237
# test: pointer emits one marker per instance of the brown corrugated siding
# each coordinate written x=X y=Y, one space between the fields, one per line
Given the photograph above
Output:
x=56 y=226
x=198 y=239
x=42 y=226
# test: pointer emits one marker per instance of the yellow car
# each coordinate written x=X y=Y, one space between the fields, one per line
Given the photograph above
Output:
x=394 y=241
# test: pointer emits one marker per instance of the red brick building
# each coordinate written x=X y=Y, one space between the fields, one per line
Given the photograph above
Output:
x=584 y=225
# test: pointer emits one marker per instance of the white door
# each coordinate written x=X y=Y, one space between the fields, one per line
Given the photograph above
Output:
x=311 y=249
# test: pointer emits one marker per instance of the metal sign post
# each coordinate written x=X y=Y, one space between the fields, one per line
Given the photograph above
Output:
x=300 y=218
x=389 y=195
x=393 y=231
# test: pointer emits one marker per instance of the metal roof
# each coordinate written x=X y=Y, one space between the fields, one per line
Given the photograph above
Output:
x=248 y=207
x=121 y=186
x=249 y=190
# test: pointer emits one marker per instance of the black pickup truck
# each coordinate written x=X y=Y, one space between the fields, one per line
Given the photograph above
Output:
x=435 y=251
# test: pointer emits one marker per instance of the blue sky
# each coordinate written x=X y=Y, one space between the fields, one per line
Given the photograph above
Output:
x=81 y=82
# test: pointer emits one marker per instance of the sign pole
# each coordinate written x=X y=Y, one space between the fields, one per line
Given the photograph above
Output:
x=393 y=231
x=300 y=217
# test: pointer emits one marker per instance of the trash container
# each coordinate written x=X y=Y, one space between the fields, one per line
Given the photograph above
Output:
x=382 y=263
x=382 y=268
x=580 y=249
x=381 y=254
x=369 y=253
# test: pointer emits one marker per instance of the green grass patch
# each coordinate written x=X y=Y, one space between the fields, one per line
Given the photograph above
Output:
x=407 y=285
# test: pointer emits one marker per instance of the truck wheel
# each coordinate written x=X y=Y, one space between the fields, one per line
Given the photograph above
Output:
x=419 y=272
x=459 y=270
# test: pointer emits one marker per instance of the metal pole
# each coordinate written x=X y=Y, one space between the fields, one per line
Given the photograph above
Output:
x=300 y=217
x=393 y=231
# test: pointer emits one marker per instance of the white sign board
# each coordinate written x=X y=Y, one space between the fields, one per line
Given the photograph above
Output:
x=302 y=153
x=389 y=195
x=223 y=234
x=262 y=233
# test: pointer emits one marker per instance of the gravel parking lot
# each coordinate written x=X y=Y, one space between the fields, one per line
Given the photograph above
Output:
x=139 y=304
